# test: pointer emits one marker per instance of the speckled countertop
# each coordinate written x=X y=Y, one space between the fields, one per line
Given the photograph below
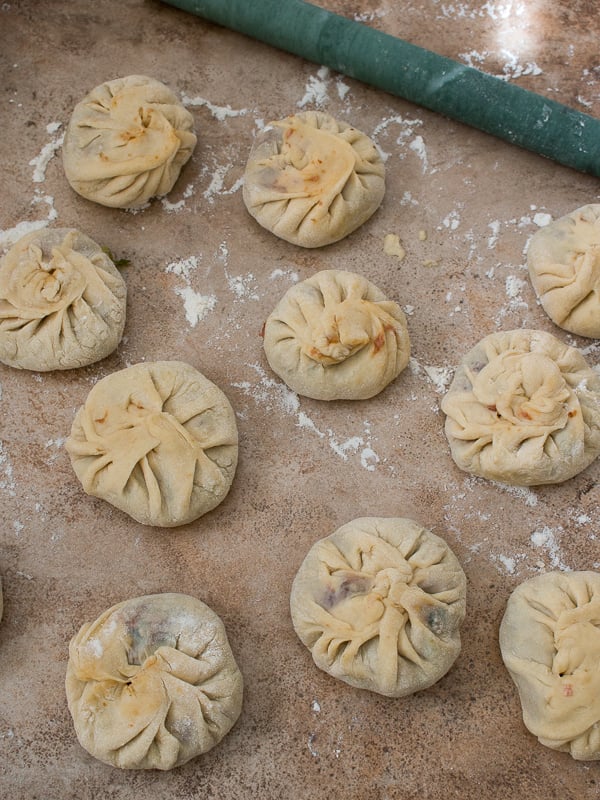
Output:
x=305 y=467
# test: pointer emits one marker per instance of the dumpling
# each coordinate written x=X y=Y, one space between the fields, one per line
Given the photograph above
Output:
x=550 y=643
x=311 y=179
x=62 y=302
x=379 y=604
x=523 y=409
x=564 y=266
x=336 y=336
x=152 y=682
x=157 y=440
x=127 y=141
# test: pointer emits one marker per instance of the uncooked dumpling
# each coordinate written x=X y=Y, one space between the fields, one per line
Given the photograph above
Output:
x=62 y=302
x=157 y=440
x=336 y=336
x=152 y=682
x=312 y=179
x=379 y=604
x=550 y=643
x=523 y=409
x=564 y=265
x=127 y=141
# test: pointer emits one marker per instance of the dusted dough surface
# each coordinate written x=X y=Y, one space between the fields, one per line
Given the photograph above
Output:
x=379 y=604
x=152 y=682
x=524 y=409
x=157 y=440
x=564 y=266
x=550 y=643
x=62 y=302
x=311 y=179
x=127 y=141
x=336 y=336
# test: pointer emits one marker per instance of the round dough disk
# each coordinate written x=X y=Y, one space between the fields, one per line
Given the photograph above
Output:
x=62 y=302
x=127 y=141
x=157 y=440
x=336 y=336
x=523 y=409
x=311 y=179
x=152 y=682
x=379 y=604
x=550 y=643
x=564 y=266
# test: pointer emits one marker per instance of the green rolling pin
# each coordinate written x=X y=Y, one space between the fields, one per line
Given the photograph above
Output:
x=438 y=83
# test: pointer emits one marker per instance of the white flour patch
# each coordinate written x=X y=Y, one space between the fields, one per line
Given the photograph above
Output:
x=196 y=306
x=180 y=204
x=316 y=90
x=7 y=479
x=243 y=286
x=219 y=112
x=451 y=221
x=288 y=273
x=541 y=219
x=520 y=492
x=342 y=88
x=406 y=135
x=183 y=267
x=495 y=228
x=418 y=146
x=509 y=563
x=311 y=746
x=217 y=183
x=439 y=376
x=546 y=539
x=41 y=161
x=11 y=236
x=516 y=304
x=315 y=706
x=57 y=445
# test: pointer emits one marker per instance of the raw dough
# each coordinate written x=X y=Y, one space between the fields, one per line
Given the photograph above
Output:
x=564 y=266
x=550 y=643
x=127 y=141
x=311 y=179
x=379 y=604
x=335 y=336
x=152 y=682
x=62 y=302
x=157 y=440
x=523 y=409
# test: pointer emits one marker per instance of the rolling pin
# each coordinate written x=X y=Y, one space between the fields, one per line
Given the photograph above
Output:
x=420 y=76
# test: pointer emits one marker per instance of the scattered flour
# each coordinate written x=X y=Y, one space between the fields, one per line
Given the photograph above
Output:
x=545 y=538
x=418 y=146
x=316 y=90
x=439 y=376
x=273 y=394
x=541 y=219
x=219 y=112
x=7 y=479
x=180 y=204
x=315 y=706
x=280 y=273
x=217 y=183
x=41 y=161
x=243 y=286
x=196 y=306
x=12 y=235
